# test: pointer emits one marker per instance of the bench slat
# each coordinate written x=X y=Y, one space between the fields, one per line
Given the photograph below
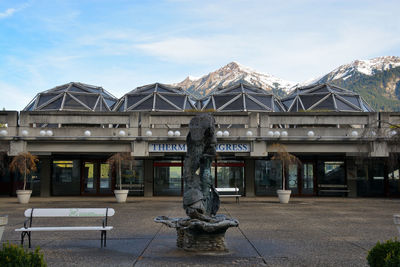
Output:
x=72 y=212
x=69 y=228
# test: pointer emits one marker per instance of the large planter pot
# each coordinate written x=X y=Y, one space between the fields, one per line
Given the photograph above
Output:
x=121 y=195
x=24 y=196
x=284 y=196
x=3 y=222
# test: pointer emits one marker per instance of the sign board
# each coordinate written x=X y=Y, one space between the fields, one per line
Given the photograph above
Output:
x=223 y=147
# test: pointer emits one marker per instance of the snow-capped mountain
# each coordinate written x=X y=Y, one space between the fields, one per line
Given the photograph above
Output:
x=366 y=67
x=231 y=74
x=377 y=80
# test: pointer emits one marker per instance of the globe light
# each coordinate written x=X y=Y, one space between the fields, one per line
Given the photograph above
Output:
x=373 y=133
x=311 y=134
x=122 y=133
x=87 y=133
x=284 y=134
x=354 y=133
x=270 y=133
x=219 y=133
x=24 y=133
x=392 y=133
x=226 y=133
x=149 y=133
x=249 y=133
x=277 y=134
x=3 y=132
x=49 y=133
x=177 y=133
x=170 y=133
x=42 y=133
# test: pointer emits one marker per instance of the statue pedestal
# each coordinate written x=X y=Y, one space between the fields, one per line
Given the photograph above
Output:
x=201 y=241
x=197 y=235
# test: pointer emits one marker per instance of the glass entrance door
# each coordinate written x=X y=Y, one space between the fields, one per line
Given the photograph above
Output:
x=308 y=179
x=97 y=178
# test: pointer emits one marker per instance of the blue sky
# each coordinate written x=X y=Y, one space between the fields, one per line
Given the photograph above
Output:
x=122 y=44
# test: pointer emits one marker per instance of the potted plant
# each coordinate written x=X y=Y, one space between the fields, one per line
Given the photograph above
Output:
x=116 y=161
x=24 y=163
x=280 y=153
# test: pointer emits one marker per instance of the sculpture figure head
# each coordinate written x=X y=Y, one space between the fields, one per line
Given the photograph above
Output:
x=202 y=133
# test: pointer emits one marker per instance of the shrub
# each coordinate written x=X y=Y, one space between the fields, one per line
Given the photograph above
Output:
x=13 y=255
x=385 y=254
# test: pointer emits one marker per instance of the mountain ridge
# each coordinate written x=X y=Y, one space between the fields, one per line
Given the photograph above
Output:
x=377 y=80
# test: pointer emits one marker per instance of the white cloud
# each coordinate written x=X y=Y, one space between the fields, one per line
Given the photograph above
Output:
x=8 y=13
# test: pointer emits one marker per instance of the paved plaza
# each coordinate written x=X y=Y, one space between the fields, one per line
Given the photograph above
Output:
x=306 y=232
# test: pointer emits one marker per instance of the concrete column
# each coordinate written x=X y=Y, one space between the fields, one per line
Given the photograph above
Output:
x=351 y=171
x=249 y=177
x=148 y=177
x=45 y=176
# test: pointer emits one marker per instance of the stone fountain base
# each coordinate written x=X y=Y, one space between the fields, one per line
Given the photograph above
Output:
x=197 y=235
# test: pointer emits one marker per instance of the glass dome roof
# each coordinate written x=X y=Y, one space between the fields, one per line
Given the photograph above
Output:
x=156 y=97
x=241 y=97
x=324 y=97
x=73 y=96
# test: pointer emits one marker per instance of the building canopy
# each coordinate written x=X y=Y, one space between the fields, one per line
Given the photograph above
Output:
x=324 y=97
x=73 y=96
x=156 y=97
x=241 y=97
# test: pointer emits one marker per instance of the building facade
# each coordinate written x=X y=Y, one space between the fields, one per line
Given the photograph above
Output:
x=75 y=128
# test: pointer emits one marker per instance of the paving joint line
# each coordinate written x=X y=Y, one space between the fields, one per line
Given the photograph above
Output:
x=248 y=240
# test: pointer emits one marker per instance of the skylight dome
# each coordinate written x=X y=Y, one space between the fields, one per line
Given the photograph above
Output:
x=73 y=97
x=156 y=97
x=241 y=97
x=324 y=97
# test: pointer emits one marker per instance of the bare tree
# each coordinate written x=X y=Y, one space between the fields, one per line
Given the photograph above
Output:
x=280 y=153
x=24 y=163
x=116 y=161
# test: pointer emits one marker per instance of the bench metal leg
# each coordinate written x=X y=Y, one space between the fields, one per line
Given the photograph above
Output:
x=103 y=238
x=23 y=234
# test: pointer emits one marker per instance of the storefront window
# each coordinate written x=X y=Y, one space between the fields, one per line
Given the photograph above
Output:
x=230 y=174
x=370 y=178
x=268 y=177
x=132 y=175
x=167 y=178
x=66 y=177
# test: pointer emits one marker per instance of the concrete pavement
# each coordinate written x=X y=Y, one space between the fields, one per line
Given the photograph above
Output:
x=305 y=232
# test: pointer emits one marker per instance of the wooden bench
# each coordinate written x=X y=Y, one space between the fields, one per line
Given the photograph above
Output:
x=70 y=213
x=229 y=192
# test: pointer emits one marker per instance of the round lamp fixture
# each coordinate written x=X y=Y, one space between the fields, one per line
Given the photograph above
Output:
x=170 y=133
x=3 y=132
x=24 y=133
x=219 y=133
x=284 y=134
x=87 y=133
x=42 y=133
x=177 y=133
x=270 y=133
x=310 y=134
x=354 y=133
x=122 y=133
x=277 y=134
x=226 y=133
x=373 y=133
x=49 y=133
x=149 y=133
x=392 y=133
x=249 y=133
